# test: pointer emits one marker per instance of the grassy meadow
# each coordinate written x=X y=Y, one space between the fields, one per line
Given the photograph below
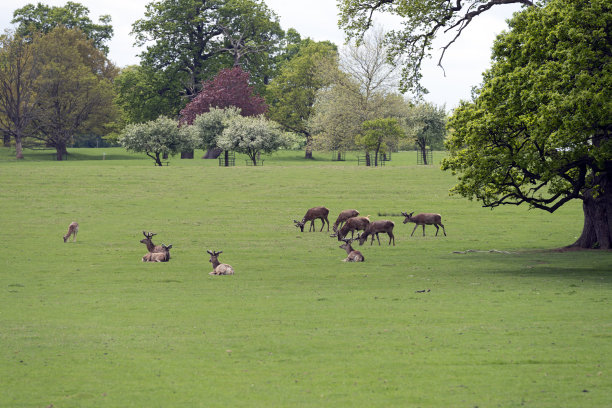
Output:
x=87 y=324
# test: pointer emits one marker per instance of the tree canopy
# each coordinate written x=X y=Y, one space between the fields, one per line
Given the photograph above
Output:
x=375 y=133
x=230 y=87
x=251 y=135
x=538 y=129
x=422 y=22
x=157 y=138
x=42 y=18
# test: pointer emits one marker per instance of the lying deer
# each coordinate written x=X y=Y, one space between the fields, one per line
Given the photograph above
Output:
x=343 y=217
x=73 y=228
x=352 y=225
x=312 y=215
x=375 y=228
x=158 y=256
x=425 y=219
x=352 y=254
x=151 y=247
x=218 y=267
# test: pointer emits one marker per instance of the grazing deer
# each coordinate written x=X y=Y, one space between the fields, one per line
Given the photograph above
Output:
x=73 y=228
x=343 y=217
x=151 y=247
x=352 y=254
x=352 y=225
x=158 y=256
x=376 y=227
x=425 y=219
x=218 y=267
x=312 y=215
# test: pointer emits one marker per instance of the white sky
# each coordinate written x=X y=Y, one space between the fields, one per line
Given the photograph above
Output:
x=464 y=61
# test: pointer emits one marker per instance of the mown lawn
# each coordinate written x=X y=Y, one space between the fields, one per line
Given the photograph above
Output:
x=87 y=324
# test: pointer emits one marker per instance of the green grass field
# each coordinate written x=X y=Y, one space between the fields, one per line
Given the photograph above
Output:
x=87 y=324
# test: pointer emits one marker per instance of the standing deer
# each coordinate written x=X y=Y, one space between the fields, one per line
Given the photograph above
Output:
x=343 y=217
x=352 y=225
x=151 y=247
x=158 y=256
x=352 y=254
x=312 y=215
x=425 y=219
x=73 y=228
x=376 y=227
x=218 y=267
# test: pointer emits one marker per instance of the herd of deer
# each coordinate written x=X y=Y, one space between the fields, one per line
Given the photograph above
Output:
x=347 y=221
x=350 y=221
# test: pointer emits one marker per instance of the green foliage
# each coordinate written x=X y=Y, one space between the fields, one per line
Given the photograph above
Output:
x=87 y=324
x=208 y=126
x=144 y=93
x=426 y=125
x=157 y=138
x=422 y=22
x=538 y=129
x=377 y=133
x=74 y=91
x=43 y=19
x=251 y=135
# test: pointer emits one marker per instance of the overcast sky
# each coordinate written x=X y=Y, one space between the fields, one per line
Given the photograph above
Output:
x=464 y=62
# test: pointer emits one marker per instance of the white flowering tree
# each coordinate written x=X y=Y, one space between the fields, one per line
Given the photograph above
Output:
x=252 y=135
x=157 y=138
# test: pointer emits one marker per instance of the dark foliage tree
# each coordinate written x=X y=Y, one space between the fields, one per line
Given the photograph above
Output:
x=538 y=130
x=229 y=88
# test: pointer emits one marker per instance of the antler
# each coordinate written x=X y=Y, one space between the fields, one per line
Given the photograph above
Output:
x=148 y=234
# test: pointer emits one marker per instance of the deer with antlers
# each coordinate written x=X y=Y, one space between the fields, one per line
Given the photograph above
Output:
x=311 y=215
x=218 y=267
x=158 y=256
x=352 y=254
x=343 y=217
x=151 y=247
x=73 y=228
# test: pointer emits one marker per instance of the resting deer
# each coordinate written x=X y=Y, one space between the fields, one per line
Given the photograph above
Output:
x=343 y=217
x=352 y=225
x=312 y=215
x=158 y=256
x=73 y=228
x=218 y=267
x=151 y=247
x=375 y=228
x=425 y=219
x=352 y=254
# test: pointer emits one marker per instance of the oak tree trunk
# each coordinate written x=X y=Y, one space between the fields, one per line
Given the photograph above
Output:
x=597 y=208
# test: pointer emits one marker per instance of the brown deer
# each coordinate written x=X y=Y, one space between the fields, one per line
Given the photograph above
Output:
x=312 y=215
x=151 y=247
x=352 y=254
x=352 y=225
x=376 y=227
x=343 y=217
x=425 y=219
x=73 y=228
x=158 y=256
x=218 y=267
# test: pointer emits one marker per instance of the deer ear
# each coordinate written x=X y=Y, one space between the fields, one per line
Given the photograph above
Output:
x=169 y=246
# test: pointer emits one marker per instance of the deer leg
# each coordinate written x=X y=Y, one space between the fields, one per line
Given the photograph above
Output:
x=377 y=238
x=437 y=229
x=312 y=226
x=443 y=230
x=415 y=227
x=391 y=237
x=423 y=229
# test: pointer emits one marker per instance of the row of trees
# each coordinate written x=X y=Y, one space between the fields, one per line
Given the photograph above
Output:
x=299 y=83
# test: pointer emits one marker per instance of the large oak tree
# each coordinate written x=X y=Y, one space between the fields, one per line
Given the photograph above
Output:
x=538 y=129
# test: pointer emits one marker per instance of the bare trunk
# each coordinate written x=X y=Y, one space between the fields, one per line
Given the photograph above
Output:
x=597 y=208
x=226 y=158
x=61 y=152
x=308 y=153
x=367 y=157
x=212 y=153
x=18 y=148
x=424 y=153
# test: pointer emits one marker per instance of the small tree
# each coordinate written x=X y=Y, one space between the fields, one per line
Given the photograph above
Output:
x=426 y=124
x=252 y=136
x=208 y=126
x=376 y=134
x=157 y=138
